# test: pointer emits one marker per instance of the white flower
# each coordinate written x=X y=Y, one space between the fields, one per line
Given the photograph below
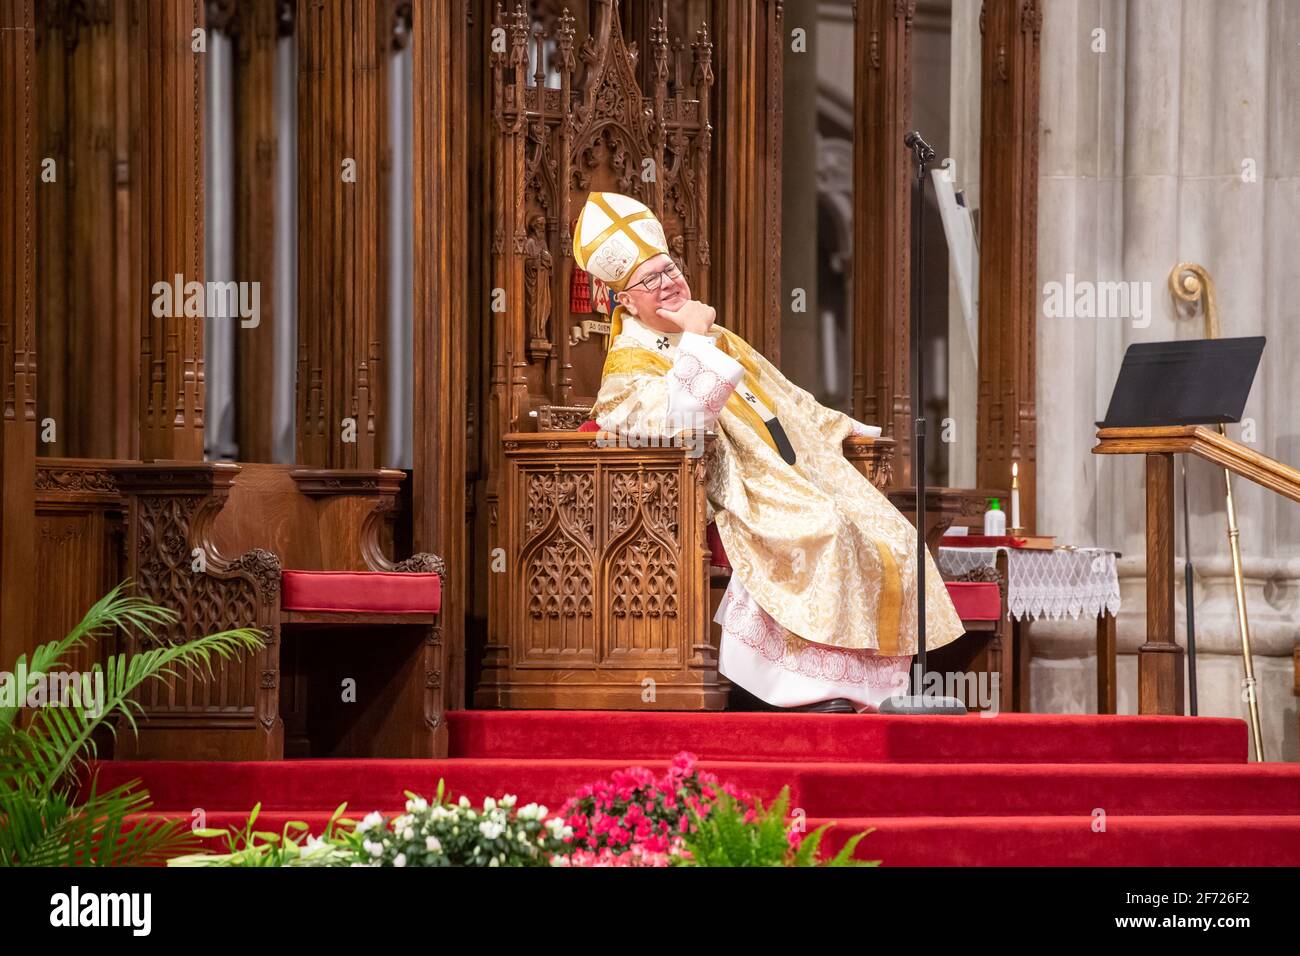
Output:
x=494 y=862
x=463 y=802
x=432 y=845
x=399 y=860
x=489 y=803
x=371 y=821
x=490 y=829
x=408 y=834
x=374 y=849
x=313 y=843
x=418 y=805
x=509 y=800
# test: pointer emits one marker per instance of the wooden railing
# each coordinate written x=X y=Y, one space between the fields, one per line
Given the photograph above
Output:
x=1160 y=659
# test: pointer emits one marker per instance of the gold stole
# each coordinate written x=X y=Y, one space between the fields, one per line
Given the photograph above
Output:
x=626 y=361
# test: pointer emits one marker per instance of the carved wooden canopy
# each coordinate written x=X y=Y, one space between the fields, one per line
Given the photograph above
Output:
x=579 y=121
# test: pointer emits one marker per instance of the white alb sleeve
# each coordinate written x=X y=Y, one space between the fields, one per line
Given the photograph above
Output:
x=865 y=431
x=701 y=380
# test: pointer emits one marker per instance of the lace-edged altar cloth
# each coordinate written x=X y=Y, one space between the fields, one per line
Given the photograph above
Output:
x=1050 y=584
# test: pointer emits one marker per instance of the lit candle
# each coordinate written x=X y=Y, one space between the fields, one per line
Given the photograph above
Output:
x=1015 y=495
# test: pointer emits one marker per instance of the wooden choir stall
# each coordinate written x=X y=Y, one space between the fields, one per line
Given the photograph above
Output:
x=521 y=560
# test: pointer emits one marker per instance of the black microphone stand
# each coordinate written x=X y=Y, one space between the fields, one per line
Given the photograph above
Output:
x=923 y=153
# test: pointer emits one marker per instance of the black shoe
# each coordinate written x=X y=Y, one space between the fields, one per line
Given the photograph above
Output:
x=839 y=705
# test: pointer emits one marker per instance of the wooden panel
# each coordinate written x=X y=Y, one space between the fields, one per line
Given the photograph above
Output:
x=1006 y=427
x=443 y=123
x=644 y=563
x=556 y=567
x=255 y=31
x=607 y=588
x=18 y=185
x=1107 y=684
x=266 y=510
x=607 y=583
x=233 y=714
x=87 y=334
x=341 y=48
x=167 y=238
x=744 y=226
x=387 y=719
x=1160 y=659
x=80 y=551
x=882 y=224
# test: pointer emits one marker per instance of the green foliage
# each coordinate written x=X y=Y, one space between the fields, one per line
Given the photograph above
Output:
x=293 y=846
x=727 y=838
x=429 y=833
x=47 y=817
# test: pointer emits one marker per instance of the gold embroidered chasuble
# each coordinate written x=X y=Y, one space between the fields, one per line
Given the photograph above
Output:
x=818 y=546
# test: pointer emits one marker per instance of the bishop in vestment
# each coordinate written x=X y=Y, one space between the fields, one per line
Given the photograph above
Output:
x=820 y=612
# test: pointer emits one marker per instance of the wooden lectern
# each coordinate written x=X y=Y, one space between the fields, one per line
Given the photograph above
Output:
x=1160 y=660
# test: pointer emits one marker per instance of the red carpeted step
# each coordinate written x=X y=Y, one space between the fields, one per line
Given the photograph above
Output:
x=868 y=789
x=995 y=841
x=1046 y=789
x=1005 y=738
x=1016 y=789
x=365 y=785
x=1072 y=840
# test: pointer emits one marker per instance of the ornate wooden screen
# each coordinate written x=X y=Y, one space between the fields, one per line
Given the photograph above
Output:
x=580 y=122
x=553 y=144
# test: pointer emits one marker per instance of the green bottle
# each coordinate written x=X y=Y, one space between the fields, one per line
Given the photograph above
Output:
x=995 y=519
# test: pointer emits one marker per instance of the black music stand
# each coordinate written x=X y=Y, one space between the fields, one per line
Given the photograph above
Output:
x=1188 y=382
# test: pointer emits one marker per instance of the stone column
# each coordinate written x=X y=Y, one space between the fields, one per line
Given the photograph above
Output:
x=1170 y=136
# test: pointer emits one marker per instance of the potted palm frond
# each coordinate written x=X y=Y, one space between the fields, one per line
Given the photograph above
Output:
x=52 y=812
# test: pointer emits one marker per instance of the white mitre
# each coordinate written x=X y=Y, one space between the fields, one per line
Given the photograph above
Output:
x=615 y=234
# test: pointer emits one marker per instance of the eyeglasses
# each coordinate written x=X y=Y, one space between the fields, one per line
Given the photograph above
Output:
x=651 y=282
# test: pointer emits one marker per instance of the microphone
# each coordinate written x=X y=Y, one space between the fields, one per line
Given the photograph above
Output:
x=924 y=151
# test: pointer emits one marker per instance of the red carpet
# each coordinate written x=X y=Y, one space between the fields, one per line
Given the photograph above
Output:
x=1016 y=789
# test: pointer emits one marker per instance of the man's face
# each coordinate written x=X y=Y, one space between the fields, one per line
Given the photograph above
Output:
x=672 y=294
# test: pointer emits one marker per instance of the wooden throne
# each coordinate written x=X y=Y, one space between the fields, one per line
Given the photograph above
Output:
x=599 y=595
x=599 y=592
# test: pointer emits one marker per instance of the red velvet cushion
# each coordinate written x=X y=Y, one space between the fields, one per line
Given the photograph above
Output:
x=366 y=592
x=718 y=552
x=976 y=600
x=589 y=426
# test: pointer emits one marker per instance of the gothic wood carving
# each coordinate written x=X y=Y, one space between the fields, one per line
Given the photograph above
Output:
x=1009 y=233
x=18 y=186
x=445 y=130
x=606 y=578
x=167 y=237
x=79 y=552
x=341 y=46
x=882 y=223
x=173 y=561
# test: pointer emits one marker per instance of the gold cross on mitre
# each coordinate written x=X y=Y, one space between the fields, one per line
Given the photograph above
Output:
x=615 y=234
